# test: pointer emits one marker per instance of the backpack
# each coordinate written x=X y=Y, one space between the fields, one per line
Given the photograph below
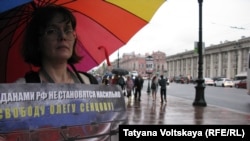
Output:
x=163 y=83
x=153 y=86
x=33 y=77
x=121 y=81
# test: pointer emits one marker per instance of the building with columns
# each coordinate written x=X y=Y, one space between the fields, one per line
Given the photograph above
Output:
x=225 y=59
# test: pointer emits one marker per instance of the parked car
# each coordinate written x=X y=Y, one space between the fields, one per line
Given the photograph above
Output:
x=177 y=79
x=184 y=80
x=218 y=77
x=208 y=81
x=241 y=84
x=224 y=82
x=239 y=77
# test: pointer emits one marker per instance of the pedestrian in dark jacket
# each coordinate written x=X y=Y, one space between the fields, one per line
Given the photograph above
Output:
x=163 y=90
x=138 y=87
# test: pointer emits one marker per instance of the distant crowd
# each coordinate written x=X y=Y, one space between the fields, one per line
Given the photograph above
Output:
x=133 y=85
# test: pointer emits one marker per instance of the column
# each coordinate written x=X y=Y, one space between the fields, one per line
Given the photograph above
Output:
x=239 y=66
x=229 y=64
x=192 y=67
x=219 y=64
x=204 y=66
x=211 y=66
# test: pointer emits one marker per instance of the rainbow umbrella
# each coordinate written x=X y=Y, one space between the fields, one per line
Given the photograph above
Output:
x=103 y=26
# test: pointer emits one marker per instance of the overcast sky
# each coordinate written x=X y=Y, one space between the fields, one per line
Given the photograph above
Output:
x=175 y=26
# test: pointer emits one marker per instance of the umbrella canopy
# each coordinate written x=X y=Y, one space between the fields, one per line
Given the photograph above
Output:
x=120 y=71
x=102 y=28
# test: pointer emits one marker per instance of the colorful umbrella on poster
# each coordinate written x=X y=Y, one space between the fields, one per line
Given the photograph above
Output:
x=102 y=28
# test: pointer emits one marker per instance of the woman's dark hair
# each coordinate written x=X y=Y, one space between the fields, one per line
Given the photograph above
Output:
x=30 y=50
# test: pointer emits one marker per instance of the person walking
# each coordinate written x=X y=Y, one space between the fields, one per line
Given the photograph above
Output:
x=138 y=87
x=121 y=82
x=154 y=86
x=129 y=86
x=133 y=78
x=114 y=80
x=163 y=89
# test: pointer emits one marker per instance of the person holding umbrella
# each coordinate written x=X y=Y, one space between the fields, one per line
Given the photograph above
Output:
x=49 y=44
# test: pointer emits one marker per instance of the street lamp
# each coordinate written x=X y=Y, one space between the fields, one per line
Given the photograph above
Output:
x=118 y=59
x=149 y=69
x=199 y=93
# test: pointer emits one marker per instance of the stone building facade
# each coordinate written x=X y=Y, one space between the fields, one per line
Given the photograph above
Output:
x=137 y=62
x=225 y=59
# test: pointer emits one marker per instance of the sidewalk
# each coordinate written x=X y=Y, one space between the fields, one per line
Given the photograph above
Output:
x=180 y=111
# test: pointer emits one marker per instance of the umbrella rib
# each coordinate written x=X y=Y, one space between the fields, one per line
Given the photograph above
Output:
x=70 y=1
x=6 y=18
x=25 y=18
x=46 y=2
x=82 y=46
x=18 y=12
x=20 y=16
x=41 y=3
x=18 y=36
x=5 y=36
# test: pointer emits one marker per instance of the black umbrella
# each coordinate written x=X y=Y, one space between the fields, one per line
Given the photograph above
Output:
x=120 y=71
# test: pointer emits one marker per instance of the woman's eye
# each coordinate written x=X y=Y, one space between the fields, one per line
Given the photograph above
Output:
x=51 y=31
x=68 y=31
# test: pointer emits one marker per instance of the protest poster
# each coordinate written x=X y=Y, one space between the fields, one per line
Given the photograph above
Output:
x=60 y=111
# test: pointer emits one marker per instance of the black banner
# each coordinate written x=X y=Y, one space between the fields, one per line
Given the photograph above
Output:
x=60 y=111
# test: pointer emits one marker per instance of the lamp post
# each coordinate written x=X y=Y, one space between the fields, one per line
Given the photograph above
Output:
x=199 y=93
x=118 y=59
x=149 y=69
